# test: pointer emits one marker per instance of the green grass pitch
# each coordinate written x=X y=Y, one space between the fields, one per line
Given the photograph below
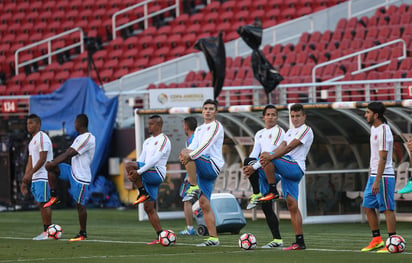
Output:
x=117 y=236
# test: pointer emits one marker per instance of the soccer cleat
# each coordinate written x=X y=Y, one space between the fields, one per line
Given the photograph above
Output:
x=42 y=236
x=383 y=250
x=407 y=188
x=187 y=232
x=52 y=201
x=274 y=243
x=191 y=193
x=78 y=237
x=268 y=197
x=376 y=243
x=210 y=242
x=141 y=199
x=295 y=246
x=154 y=242
x=254 y=200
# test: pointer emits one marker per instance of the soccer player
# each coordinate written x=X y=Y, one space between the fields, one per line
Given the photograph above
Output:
x=40 y=151
x=408 y=187
x=79 y=174
x=288 y=160
x=380 y=189
x=266 y=140
x=149 y=171
x=203 y=160
x=189 y=126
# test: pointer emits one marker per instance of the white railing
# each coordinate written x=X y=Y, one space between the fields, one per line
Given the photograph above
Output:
x=146 y=15
x=359 y=60
x=50 y=51
x=369 y=90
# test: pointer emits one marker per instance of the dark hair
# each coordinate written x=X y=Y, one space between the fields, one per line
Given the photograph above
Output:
x=379 y=108
x=34 y=117
x=191 y=122
x=210 y=101
x=270 y=106
x=83 y=120
x=297 y=107
x=156 y=117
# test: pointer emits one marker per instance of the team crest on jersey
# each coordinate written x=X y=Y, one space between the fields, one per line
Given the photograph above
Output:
x=208 y=128
x=270 y=136
x=376 y=137
x=155 y=143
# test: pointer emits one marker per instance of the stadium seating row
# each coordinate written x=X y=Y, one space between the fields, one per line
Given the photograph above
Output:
x=153 y=46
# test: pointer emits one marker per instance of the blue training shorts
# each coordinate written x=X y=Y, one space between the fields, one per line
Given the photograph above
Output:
x=77 y=190
x=151 y=180
x=291 y=175
x=385 y=199
x=206 y=175
x=40 y=191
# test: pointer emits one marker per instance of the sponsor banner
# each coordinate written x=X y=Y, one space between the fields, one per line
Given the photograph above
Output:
x=188 y=97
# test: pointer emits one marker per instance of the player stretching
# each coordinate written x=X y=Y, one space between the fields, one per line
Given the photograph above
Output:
x=408 y=187
x=203 y=160
x=40 y=151
x=79 y=175
x=266 y=140
x=189 y=126
x=289 y=161
x=149 y=171
x=380 y=190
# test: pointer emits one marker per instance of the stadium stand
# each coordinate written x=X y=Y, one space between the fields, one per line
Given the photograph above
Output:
x=170 y=37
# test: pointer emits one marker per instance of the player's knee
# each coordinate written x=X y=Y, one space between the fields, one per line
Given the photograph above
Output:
x=249 y=161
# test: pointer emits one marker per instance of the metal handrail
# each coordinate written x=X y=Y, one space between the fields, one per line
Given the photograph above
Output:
x=50 y=53
x=145 y=17
x=359 y=59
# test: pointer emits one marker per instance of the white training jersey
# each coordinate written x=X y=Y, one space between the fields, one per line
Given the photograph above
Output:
x=381 y=140
x=305 y=135
x=84 y=145
x=266 y=140
x=40 y=143
x=155 y=153
x=208 y=141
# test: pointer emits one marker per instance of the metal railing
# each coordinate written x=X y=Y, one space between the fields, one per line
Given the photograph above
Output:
x=50 y=52
x=146 y=15
x=359 y=60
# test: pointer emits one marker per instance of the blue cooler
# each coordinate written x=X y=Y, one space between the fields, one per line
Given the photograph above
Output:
x=228 y=214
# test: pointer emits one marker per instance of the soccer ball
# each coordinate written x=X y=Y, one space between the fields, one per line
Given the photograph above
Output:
x=167 y=238
x=395 y=244
x=55 y=231
x=247 y=241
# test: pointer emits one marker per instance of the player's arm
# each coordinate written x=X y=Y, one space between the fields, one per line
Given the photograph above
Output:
x=383 y=155
x=282 y=150
x=69 y=153
x=40 y=162
x=27 y=176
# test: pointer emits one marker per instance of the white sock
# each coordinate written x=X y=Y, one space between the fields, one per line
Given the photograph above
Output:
x=189 y=227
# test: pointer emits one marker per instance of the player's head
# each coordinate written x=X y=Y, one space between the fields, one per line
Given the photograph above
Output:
x=209 y=110
x=189 y=124
x=33 y=124
x=270 y=116
x=297 y=115
x=155 y=124
x=81 y=123
x=375 y=111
